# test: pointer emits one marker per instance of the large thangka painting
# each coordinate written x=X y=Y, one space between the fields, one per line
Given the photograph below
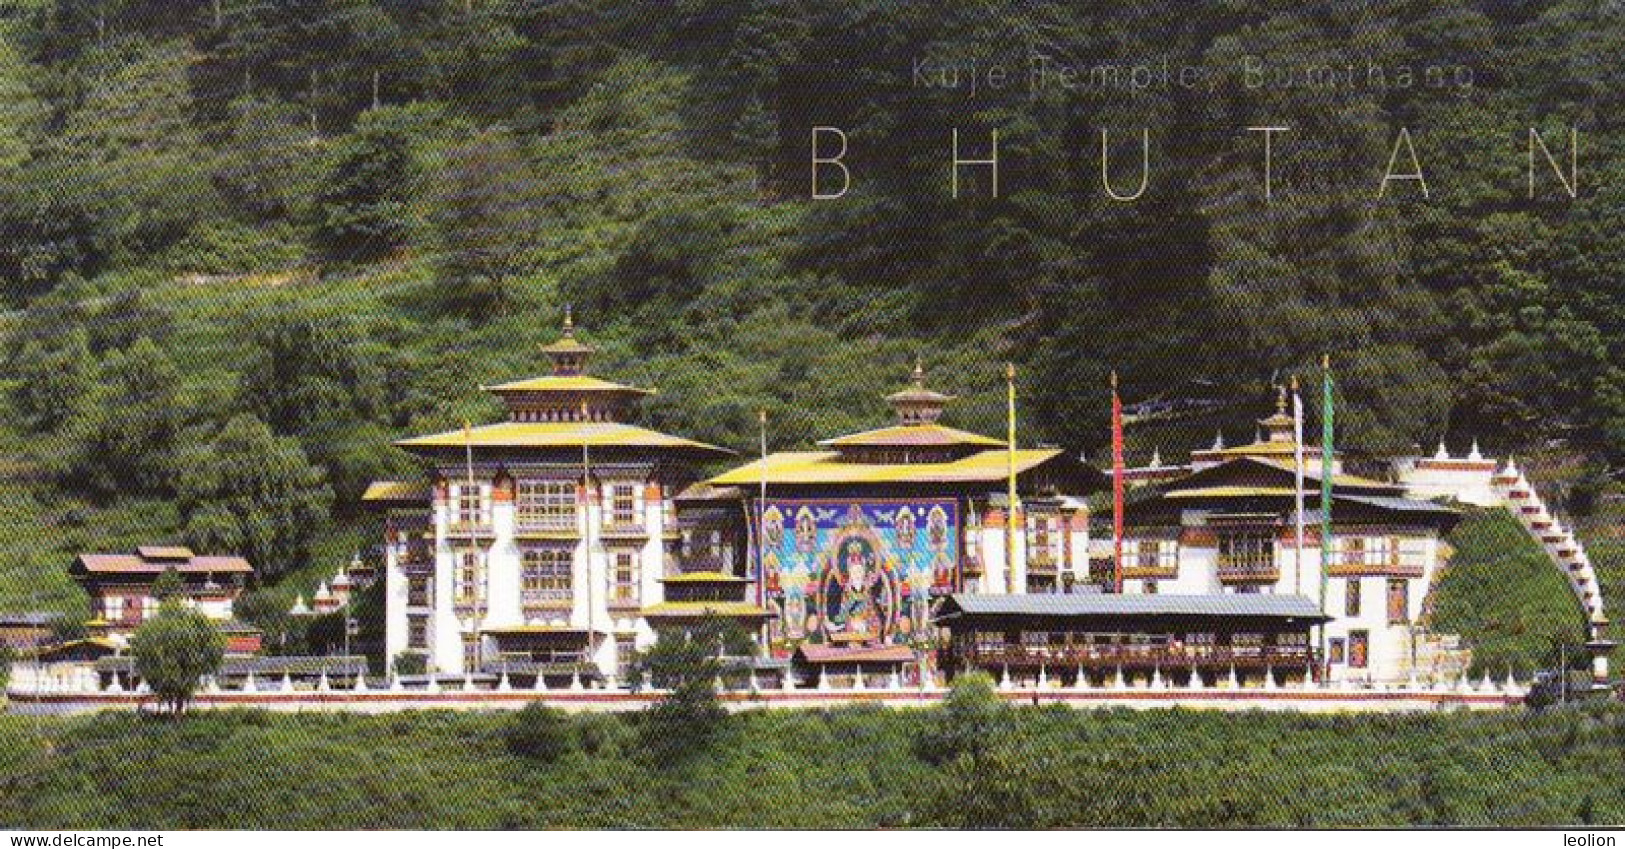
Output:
x=858 y=573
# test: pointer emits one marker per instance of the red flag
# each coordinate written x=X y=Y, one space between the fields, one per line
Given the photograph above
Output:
x=1117 y=486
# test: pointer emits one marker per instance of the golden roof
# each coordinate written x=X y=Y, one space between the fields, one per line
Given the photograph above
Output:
x=1311 y=473
x=558 y=435
x=540 y=629
x=566 y=383
x=396 y=491
x=1262 y=447
x=827 y=467
x=913 y=436
x=697 y=609
x=704 y=578
x=1235 y=492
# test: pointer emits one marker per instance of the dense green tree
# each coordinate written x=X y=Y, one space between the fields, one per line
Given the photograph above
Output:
x=486 y=207
x=309 y=367
x=254 y=493
x=120 y=437
x=169 y=585
x=54 y=375
x=363 y=209
x=130 y=137
x=686 y=663
x=982 y=781
x=174 y=651
x=21 y=112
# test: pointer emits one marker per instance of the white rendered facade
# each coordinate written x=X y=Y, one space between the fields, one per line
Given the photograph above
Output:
x=537 y=542
x=1231 y=527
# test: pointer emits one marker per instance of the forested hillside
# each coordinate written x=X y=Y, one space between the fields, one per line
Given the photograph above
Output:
x=245 y=244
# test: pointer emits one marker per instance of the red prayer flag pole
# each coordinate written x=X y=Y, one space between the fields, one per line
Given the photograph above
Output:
x=1117 y=487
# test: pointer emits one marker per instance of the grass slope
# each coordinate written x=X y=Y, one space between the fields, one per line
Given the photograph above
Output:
x=843 y=768
x=1504 y=597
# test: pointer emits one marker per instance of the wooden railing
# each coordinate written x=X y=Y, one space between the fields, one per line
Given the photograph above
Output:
x=1248 y=568
x=1168 y=657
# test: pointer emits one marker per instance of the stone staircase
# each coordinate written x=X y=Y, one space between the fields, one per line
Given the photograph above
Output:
x=1558 y=540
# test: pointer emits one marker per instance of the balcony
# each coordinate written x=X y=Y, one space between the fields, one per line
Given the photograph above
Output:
x=1139 y=657
x=1043 y=560
x=625 y=526
x=549 y=599
x=550 y=525
x=1244 y=568
x=470 y=530
x=1151 y=565
x=1393 y=564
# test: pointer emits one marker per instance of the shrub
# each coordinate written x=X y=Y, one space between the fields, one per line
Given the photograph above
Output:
x=540 y=733
x=971 y=720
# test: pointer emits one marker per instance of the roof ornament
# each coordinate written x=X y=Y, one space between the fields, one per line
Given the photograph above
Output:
x=569 y=355
x=1441 y=454
x=1218 y=440
x=1475 y=454
x=918 y=405
x=1156 y=458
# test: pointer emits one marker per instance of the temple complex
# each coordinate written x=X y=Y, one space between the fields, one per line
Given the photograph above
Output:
x=1229 y=527
x=532 y=546
x=861 y=540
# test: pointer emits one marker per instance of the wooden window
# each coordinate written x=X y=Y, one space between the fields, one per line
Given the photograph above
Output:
x=1247 y=553
x=417 y=633
x=1335 y=650
x=623 y=579
x=471 y=652
x=1351 y=597
x=626 y=651
x=623 y=505
x=547 y=575
x=1399 y=601
x=470 y=507
x=1359 y=649
x=1353 y=551
x=1150 y=587
x=113 y=608
x=468 y=577
x=417 y=591
x=546 y=505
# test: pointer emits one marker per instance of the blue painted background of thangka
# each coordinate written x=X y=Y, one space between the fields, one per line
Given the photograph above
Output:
x=855 y=572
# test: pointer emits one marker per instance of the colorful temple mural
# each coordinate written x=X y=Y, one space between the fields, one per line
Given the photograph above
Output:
x=859 y=573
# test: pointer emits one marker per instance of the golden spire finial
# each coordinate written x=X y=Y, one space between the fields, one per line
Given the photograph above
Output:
x=1326 y=362
x=919 y=373
x=1009 y=371
x=1280 y=400
x=569 y=321
x=1294 y=384
x=1114 y=380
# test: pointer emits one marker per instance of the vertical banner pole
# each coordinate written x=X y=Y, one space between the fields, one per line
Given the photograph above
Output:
x=1117 y=487
x=1011 y=506
x=1327 y=465
x=1297 y=464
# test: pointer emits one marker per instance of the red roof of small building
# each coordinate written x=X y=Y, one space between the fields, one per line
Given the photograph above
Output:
x=817 y=653
x=141 y=563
